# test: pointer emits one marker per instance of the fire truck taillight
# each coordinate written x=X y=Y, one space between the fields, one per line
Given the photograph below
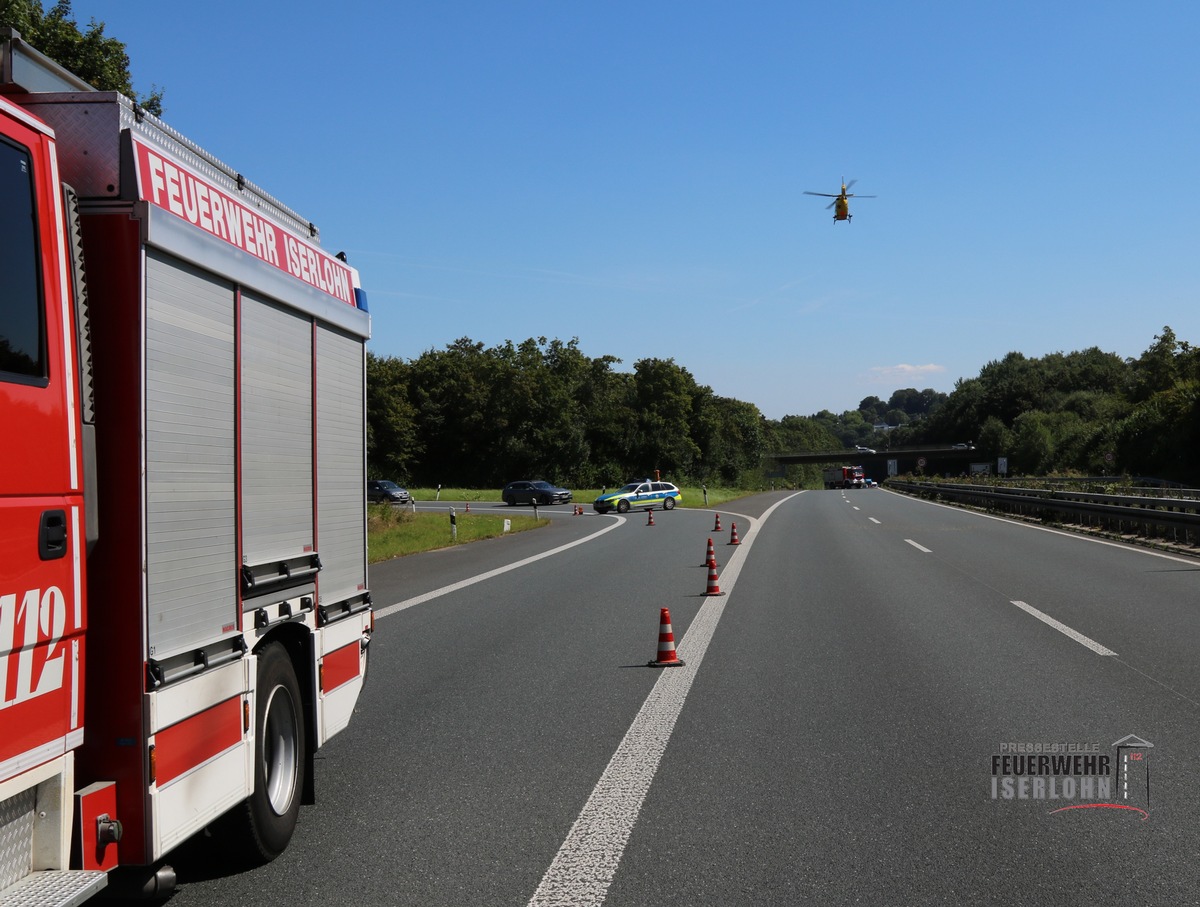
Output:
x=153 y=765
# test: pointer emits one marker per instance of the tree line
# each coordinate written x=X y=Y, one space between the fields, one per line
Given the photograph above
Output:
x=98 y=59
x=1089 y=412
x=1086 y=412
x=482 y=416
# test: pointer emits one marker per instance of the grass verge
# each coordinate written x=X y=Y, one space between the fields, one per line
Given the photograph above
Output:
x=693 y=495
x=395 y=532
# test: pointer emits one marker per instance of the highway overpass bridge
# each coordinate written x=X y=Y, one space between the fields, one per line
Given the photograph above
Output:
x=930 y=459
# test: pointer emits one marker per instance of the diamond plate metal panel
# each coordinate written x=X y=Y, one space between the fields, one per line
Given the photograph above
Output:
x=54 y=888
x=16 y=837
x=88 y=130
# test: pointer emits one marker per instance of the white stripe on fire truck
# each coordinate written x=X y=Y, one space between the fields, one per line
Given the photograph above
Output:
x=74 y=684
x=76 y=567
x=65 y=301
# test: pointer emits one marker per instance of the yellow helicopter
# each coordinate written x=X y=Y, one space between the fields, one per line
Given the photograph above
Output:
x=841 y=201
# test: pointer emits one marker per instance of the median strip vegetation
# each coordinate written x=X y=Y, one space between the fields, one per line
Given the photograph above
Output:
x=396 y=531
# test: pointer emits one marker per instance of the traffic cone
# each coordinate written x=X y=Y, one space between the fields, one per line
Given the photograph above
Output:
x=717 y=525
x=666 y=644
x=711 y=557
x=713 y=588
x=733 y=536
x=468 y=510
x=650 y=514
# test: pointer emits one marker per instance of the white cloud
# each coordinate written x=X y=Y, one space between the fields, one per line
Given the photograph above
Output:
x=903 y=373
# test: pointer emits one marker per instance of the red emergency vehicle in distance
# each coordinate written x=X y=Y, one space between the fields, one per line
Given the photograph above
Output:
x=844 y=477
x=184 y=612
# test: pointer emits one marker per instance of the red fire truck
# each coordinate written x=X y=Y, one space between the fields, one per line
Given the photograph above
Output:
x=844 y=477
x=184 y=613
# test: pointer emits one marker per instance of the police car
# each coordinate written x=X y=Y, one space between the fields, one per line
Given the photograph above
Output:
x=644 y=495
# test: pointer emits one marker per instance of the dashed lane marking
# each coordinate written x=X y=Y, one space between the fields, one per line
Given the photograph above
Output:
x=1063 y=628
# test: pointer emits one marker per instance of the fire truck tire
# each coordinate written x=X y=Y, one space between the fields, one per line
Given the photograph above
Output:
x=261 y=828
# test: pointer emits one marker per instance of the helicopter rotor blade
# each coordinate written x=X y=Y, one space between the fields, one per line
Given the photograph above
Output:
x=852 y=195
x=825 y=194
x=851 y=183
x=830 y=205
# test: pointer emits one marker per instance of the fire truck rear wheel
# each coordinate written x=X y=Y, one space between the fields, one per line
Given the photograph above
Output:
x=271 y=812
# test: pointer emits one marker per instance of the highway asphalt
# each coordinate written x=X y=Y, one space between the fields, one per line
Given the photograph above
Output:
x=836 y=736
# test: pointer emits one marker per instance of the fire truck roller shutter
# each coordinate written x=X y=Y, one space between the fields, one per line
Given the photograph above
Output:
x=191 y=512
x=276 y=439
x=341 y=504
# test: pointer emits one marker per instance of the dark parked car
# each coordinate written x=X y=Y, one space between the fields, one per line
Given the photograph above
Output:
x=535 y=492
x=381 y=491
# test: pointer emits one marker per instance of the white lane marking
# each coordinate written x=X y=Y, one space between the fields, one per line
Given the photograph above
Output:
x=875 y=521
x=1063 y=628
x=858 y=508
x=584 y=866
x=472 y=580
x=918 y=547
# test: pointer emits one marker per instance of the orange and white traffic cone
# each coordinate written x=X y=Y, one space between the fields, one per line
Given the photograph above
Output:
x=713 y=588
x=666 y=644
x=717 y=525
x=733 y=536
x=650 y=515
x=711 y=557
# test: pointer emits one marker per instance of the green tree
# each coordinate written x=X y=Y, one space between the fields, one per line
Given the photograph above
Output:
x=663 y=400
x=393 y=443
x=995 y=439
x=1157 y=369
x=99 y=60
x=1033 y=445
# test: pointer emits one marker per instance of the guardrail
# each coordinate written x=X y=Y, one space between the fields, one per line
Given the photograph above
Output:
x=1148 y=517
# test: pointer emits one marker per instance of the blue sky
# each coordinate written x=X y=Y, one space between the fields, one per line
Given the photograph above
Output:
x=632 y=174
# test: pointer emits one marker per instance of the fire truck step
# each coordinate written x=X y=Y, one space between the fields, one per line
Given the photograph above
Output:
x=54 y=888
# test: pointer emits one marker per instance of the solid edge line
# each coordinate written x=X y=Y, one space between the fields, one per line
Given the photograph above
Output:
x=479 y=578
x=1123 y=546
x=584 y=866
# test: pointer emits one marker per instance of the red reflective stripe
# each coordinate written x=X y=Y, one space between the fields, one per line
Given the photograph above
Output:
x=341 y=666
x=193 y=741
